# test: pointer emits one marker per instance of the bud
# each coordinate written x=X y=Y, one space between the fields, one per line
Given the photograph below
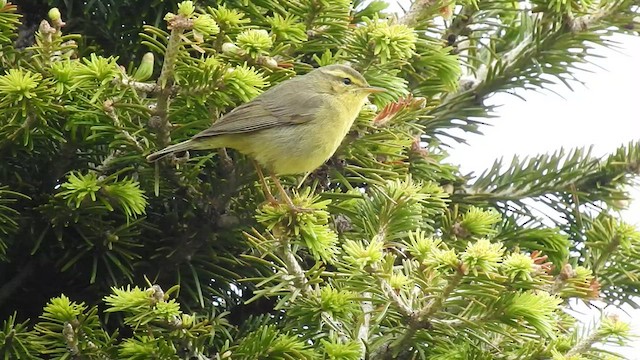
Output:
x=54 y=14
x=230 y=49
x=186 y=8
x=145 y=70
x=107 y=105
x=567 y=272
x=447 y=10
x=482 y=256
x=448 y=188
x=420 y=102
x=187 y=320
x=68 y=333
x=46 y=28
x=170 y=16
x=363 y=255
x=270 y=63
x=157 y=293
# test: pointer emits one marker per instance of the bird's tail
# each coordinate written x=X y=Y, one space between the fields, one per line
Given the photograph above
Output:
x=183 y=146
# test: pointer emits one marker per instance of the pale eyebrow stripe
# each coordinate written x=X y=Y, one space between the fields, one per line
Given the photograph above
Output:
x=342 y=74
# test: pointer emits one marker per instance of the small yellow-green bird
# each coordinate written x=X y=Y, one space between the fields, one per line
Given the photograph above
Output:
x=292 y=128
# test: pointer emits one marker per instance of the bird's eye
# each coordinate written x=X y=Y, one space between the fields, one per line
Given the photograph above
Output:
x=346 y=81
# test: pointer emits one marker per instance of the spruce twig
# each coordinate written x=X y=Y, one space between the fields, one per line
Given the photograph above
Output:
x=416 y=12
x=178 y=24
x=294 y=269
x=583 y=345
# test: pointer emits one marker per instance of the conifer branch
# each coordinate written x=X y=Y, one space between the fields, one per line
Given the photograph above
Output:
x=583 y=345
x=436 y=304
x=397 y=300
x=30 y=121
x=519 y=65
x=108 y=108
x=301 y=283
x=584 y=22
x=531 y=50
x=177 y=24
x=106 y=162
x=549 y=177
x=419 y=320
x=606 y=253
x=293 y=267
x=363 y=330
x=459 y=24
x=146 y=87
x=384 y=284
x=416 y=12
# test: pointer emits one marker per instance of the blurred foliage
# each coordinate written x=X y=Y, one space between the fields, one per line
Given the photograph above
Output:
x=108 y=27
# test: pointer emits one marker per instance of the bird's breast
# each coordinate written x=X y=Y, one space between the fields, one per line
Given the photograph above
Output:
x=300 y=148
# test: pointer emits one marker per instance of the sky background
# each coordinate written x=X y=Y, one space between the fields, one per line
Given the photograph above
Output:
x=602 y=112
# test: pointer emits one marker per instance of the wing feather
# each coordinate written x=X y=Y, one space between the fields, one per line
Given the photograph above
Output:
x=266 y=112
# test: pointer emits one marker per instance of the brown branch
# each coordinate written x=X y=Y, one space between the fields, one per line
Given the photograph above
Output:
x=416 y=12
x=583 y=23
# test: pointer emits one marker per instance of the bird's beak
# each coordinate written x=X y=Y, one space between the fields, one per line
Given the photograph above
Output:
x=373 y=89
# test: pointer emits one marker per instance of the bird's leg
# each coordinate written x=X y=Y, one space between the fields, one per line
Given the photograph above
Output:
x=281 y=190
x=283 y=193
x=263 y=182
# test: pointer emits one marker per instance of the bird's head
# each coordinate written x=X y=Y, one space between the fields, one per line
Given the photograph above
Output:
x=345 y=83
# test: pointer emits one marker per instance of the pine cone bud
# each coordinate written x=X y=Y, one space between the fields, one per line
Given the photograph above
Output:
x=145 y=70
x=170 y=16
x=54 y=14
x=230 y=49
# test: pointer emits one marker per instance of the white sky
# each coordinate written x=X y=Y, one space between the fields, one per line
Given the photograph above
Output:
x=602 y=113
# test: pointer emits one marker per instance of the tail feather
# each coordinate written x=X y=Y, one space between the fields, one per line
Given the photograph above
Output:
x=183 y=146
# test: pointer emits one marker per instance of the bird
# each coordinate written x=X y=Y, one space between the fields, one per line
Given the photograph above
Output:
x=292 y=128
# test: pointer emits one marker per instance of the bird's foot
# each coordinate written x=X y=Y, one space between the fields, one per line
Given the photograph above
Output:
x=299 y=209
x=296 y=209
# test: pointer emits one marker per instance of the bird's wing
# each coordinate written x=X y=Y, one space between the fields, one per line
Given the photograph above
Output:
x=263 y=113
